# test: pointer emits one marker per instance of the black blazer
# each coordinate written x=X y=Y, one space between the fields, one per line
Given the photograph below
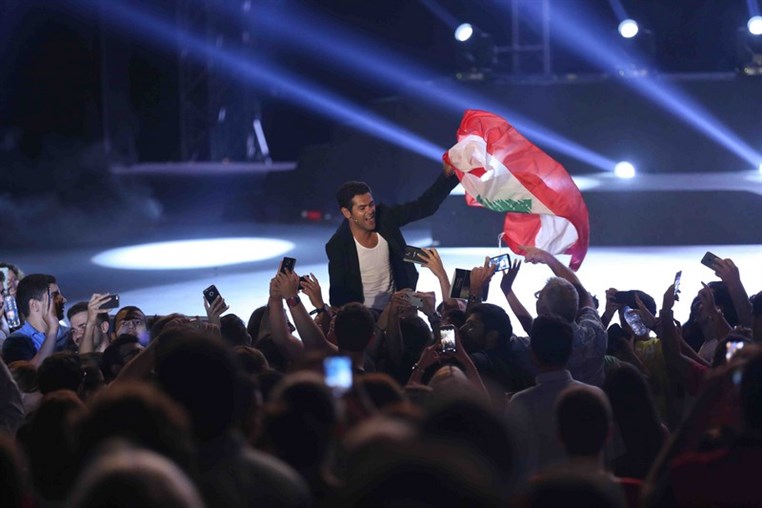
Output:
x=343 y=263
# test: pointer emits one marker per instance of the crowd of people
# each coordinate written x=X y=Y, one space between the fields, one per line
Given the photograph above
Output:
x=569 y=408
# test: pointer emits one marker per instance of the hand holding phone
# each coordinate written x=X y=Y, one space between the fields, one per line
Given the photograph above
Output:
x=447 y=338
x=287 y=265
x=678 y=275
x=501 y=262
x=413 y=300
x=414 y=255
x=111 y=303
x=709 y=259
x=211 y=293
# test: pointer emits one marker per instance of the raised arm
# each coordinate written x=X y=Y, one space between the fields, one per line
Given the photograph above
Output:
x=435 y=264
x=506 y=285
x=480 y=278
x=87 y=344
x=726 y=270
x=535 y=255
x=311 y=334
x=429 y=201
x=48 y=345
x=290 y=346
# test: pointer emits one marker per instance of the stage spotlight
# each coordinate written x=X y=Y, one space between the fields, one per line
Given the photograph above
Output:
x=760 y=168
x=188 y=254
x=624 y=169
x=464 y=32
x=628 y=28
x=755 y=25
x=476 y=54
x=749 y=48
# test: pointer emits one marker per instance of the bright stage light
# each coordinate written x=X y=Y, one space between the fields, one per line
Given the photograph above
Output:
x=760 y=168
x=624 y=169
x=628 y=28
x=755 y=25
x=187 y=254
x=464 y=32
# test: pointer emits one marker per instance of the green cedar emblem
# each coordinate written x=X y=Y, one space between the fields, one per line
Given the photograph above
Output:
x=506 y=205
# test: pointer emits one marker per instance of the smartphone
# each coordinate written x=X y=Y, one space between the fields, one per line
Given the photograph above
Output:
x=501 y=262
x=413 y=255
x=287 y=265
x=302 y=279
x=732 y=347
x=678 y=275
x=447 y=338
x=338 y=374
x=709 y=259
x=633 y=319
x=211 y=294
x=414 y=300
x=625 y=298
x=111 y=303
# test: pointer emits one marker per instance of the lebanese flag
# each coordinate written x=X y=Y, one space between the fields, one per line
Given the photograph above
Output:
x=502 y=171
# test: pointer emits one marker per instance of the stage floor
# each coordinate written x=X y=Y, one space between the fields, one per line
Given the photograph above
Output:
x=245 y=280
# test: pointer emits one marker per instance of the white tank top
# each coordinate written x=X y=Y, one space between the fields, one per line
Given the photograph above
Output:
x=376 y=273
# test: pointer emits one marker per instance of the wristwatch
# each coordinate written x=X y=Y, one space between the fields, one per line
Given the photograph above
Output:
x=319 y=310
x=293 y=301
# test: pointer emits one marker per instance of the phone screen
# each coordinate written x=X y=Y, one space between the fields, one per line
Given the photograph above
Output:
x=447 y=334
x=678 y=275
x=502 y=262
x=732 y=347
x=338 y=373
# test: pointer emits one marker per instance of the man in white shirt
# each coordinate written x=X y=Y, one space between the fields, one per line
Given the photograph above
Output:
x=365 y=255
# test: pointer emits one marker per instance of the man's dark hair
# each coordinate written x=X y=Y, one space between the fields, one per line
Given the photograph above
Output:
x=495 y=319
x=112 y=356
x=82 y=307
x=255 y=322
x=32 y=287
x=551 y=341
x=354 y=327
x=583 y=418
x=349 y=190
x=60 y=371
x=628 y=298
x=234 y=331
x=201 y=373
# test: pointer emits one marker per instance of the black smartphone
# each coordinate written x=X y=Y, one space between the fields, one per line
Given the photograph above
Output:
x=302 y=279
x=501 y=262
x=678 y=275
x=111 y=303
x=709 y=259
x=414 y=255
x=287 y=265
x=447 y=338
x=211 y=294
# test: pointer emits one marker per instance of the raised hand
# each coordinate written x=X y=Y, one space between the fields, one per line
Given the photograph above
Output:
x=509 y=276
x=669 y=298
x=480 y=276
x=433 y=262
x=216 y=309
x=726 y=270
x=536 y=255
x=288 y=284
x=93 y=306
x=311 y=288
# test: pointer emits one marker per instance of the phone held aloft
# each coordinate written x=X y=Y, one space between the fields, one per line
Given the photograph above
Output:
x=709 y=259
x=211 y=294
x=414 y=255
x=447 y=338
x=287 y=265
x=111 y=303
x=501 y=262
